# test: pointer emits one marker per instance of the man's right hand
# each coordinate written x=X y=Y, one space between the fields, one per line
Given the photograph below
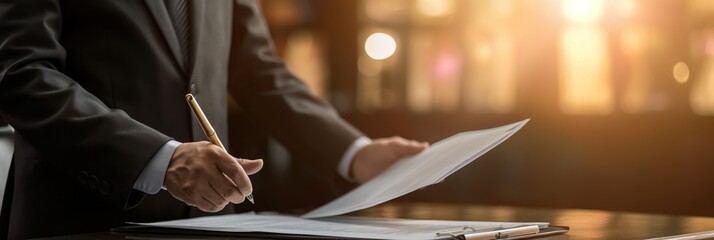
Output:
x=201 y=174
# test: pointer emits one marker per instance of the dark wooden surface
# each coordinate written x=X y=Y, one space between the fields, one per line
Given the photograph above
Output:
x=584 y=224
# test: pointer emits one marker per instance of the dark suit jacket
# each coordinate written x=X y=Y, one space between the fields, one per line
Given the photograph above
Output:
x=95 y=88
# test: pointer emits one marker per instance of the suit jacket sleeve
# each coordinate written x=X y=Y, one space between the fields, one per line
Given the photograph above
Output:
x=265 y=88
x=67 y=125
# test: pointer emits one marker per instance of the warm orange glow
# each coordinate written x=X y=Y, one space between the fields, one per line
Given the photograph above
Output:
x=702 y=95
x=446 y=72
x=483 y=53
x=380 y=46
x=594 y=219
x=637 y=81
x=369 y=84
x=467 y=55
x=633 y=41
x=368 y=66
x=491 y=84
x=304 y=56
x=680 y=72
x=582 y=11
x=369 y=93
x=584 y=66
x=503 y=96
x=434 y=8
x=375 y=64
x=392 y=10
x=700 y=8
x=419 y=91
x=627 y=8
x=434 y=73
x=636 y=94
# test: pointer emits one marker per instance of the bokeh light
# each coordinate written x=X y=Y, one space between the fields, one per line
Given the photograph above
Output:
x=582 y=11
x=380 y=46
x=709 y=45
x=446 y=66
x=627 y=8
x=680 y=72
x=388 y=11
x=585 y=86
x=434 y=8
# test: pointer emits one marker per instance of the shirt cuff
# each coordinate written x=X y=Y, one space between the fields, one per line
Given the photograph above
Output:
x=6 y=129
x=343 y=168
x=151 y=179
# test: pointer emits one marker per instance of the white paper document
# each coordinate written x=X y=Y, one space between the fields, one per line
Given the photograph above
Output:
x=431 y=166
x=340 y=227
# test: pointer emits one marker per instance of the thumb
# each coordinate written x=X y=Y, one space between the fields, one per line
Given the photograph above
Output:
x=251 y=166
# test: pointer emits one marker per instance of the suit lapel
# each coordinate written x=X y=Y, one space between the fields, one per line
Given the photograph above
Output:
x=163 y=21
x=197 y=11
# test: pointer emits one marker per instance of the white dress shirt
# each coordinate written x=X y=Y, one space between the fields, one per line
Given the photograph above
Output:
x=151 y=179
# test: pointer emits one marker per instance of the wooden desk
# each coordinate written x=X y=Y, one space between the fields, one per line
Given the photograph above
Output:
x=584 y=224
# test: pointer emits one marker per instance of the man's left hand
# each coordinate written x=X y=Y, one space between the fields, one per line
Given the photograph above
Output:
x=379 y=155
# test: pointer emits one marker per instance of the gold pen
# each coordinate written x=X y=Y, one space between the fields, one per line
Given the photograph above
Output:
x=208 y=129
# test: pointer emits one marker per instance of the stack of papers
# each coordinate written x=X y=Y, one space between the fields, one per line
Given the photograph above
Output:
x=430 y=166
x=340 y=227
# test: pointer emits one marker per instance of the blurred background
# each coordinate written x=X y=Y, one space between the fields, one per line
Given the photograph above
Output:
x=620 y=92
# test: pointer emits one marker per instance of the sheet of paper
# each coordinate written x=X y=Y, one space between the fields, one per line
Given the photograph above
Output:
x=426 y=168
x=429 y=167
x=347 y=227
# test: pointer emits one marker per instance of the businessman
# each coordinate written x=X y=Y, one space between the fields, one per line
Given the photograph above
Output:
x=95 y=91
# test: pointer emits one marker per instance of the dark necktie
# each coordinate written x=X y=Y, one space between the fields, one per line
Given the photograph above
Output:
x=178 y=11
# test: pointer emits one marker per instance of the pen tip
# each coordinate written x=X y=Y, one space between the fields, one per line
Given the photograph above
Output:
x=250 y=198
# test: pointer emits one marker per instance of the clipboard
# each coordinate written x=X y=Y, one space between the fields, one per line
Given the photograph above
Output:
x=465 y=234
x=470 y=233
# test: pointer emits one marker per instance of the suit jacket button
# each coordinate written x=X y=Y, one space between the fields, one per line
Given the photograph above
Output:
x=83 y=178
x=93 y=182
x=104 y=188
